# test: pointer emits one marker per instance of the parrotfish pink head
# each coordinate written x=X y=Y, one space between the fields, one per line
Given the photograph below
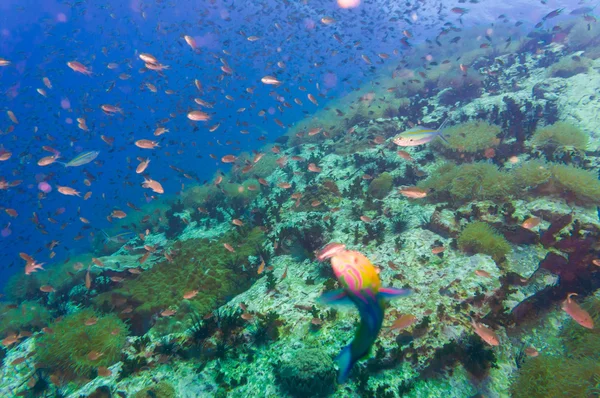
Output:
x=355 y=272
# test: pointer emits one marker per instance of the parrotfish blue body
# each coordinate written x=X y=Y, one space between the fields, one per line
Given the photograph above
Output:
x=361 y=287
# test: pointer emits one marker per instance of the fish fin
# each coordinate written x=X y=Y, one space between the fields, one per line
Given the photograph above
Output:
x=390 y=293
x=63 y=163
x=335 y=297
x=344 y=362
x=443 y=125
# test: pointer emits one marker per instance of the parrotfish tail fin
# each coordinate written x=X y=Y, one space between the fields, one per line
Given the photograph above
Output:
x=390 y=293
x=335 y=297
x=345 y=363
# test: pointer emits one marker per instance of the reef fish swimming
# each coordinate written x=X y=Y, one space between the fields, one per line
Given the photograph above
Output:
x=418 y=136
x=82 y=159
x=361 y=287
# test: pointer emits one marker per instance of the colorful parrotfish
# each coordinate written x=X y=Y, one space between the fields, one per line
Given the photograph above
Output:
x=361 y=287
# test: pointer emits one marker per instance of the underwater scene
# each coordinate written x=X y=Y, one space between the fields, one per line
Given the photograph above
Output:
x=299 y=198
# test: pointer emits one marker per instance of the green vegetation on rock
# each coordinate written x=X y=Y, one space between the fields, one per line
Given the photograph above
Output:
x=307 y=373
x=197 y=265
x=160 y=390
x=468 y=182
x=559 y=134
x=381 y=185
x=72 y=344
x=549 y=376
x=470 y=137
x=479 y=237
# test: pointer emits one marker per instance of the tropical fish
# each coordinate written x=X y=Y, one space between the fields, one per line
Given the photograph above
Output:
x=419 y=136
x=361 y=286
x=81 y=159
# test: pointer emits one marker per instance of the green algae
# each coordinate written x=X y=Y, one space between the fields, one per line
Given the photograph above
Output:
x=575 y=184
x=559 y=134
x=479 y=237
x=470 y=137
x=29 y=315
x=531 y=174
x=160 y=390
x=554 y=376
x=198 y=264
x=381 y=185
x=68 y=346
x=307 y=372
x=467 y=182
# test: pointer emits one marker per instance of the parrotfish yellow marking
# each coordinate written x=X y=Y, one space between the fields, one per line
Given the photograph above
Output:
x=361 y=286
x=82 y=159
x=419 y=136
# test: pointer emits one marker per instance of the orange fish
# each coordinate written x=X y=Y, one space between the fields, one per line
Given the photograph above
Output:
x=403 y=321
x=314 y=168
x=413 y=192
x=531 y=222
x=228 y=247
x=190 y=295
x=142 y=166
x=578 y=314
x=487 y=334
x=146 y=144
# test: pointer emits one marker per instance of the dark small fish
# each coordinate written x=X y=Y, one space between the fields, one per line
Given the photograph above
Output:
x=553 y=14
x=582 y=10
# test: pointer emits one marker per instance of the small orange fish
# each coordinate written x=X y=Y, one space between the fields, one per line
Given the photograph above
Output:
x=103 y=371
x=413 y=192
x=94 y=355
x=228 y=247
x=168 y=312
x=531 y=222
x=486 y=334
x=403 y=321
x=97 y=262
x=366 y=219
x=237 y=222
x=146 y=144
x=314 y=168
x=438 y=249
x=406 y=156
x=578 y=314
x=46 y=289
x=190 y=295
x=531 y=352
x=480 y=272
